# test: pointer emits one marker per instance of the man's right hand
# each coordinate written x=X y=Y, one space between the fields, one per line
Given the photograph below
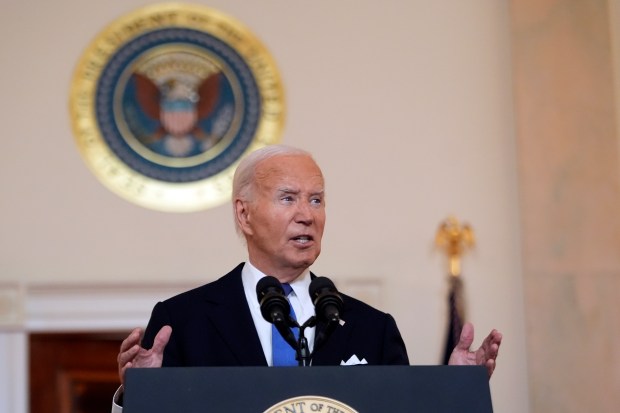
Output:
x=132 y=355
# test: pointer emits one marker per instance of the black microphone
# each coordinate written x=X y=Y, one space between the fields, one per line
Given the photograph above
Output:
x=275 y=308
x=327 y=302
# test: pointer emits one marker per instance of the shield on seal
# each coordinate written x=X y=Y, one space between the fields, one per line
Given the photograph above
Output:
x=178 y=117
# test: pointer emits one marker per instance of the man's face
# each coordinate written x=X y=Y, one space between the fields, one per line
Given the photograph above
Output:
x=285 y=218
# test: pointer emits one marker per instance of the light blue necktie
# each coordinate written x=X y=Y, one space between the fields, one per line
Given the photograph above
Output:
x=283 y=353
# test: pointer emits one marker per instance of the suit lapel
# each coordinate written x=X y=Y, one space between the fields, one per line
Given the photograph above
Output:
x=233 y=320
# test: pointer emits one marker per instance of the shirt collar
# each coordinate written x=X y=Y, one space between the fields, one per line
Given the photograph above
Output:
x=250 y=276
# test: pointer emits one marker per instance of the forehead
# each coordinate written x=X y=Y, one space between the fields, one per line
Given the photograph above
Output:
x=299 y=171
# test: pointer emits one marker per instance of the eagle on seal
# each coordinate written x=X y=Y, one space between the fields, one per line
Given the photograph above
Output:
x=177 y=108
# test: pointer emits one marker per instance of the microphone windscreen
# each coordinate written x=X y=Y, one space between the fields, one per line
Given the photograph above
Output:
x=274 y=306
x=319 y=284
x=266 y=284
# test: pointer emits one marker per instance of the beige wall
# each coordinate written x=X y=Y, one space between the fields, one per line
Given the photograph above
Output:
x=407 y=105
x=568 y=150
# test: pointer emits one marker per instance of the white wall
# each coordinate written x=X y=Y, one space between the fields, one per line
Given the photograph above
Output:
x=406 y=105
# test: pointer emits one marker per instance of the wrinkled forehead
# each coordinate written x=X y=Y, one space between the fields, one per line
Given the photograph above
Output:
x=299 y=171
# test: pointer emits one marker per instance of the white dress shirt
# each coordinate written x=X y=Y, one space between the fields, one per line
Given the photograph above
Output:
x=299 y=298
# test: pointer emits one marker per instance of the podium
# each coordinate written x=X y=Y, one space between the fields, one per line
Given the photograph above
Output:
x=362 y=389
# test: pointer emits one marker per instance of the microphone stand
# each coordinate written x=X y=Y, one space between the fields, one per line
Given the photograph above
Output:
x=303 y=351
x=284 y=328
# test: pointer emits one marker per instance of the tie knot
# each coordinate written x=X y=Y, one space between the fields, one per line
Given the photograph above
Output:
x=287 y=289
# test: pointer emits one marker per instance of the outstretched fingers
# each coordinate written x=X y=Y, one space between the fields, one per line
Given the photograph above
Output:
x=488 y=351
x=466 y=338
x=161 y=340
x=133 y=355
x=132 y=339
x=130 y=348
x=490 y=366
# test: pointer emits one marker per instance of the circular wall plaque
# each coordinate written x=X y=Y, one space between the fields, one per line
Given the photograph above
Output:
x=166 y=100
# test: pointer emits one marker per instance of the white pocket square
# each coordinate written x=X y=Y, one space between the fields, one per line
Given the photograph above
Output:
x=353 y=361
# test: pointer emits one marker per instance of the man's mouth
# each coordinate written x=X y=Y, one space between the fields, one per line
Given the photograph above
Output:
x=302 y=239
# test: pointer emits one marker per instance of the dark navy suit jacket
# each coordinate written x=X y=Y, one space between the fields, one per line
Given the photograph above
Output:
x=212 y=326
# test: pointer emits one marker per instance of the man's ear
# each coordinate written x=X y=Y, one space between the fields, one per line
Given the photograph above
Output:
x=242 y=215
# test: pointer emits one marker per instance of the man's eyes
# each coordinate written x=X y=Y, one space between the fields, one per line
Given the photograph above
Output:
x=290 y=198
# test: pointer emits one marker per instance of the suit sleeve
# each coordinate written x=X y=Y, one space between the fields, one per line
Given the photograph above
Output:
x=394 y=350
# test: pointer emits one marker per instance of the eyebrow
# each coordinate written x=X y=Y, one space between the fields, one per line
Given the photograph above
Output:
x=286 y=190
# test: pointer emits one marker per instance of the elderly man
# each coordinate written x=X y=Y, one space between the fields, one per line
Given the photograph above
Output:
x=279 y=208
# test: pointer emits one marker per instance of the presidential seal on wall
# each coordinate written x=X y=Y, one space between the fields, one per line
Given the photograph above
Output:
x=167 y=99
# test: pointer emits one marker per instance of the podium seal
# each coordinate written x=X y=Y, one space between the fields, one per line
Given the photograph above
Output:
x=309 y=404
x=166 y=100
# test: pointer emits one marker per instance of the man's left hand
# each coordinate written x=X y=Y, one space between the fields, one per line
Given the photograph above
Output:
x=486 y=355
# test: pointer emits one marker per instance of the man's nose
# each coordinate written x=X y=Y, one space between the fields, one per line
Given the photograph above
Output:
x=304 y=213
